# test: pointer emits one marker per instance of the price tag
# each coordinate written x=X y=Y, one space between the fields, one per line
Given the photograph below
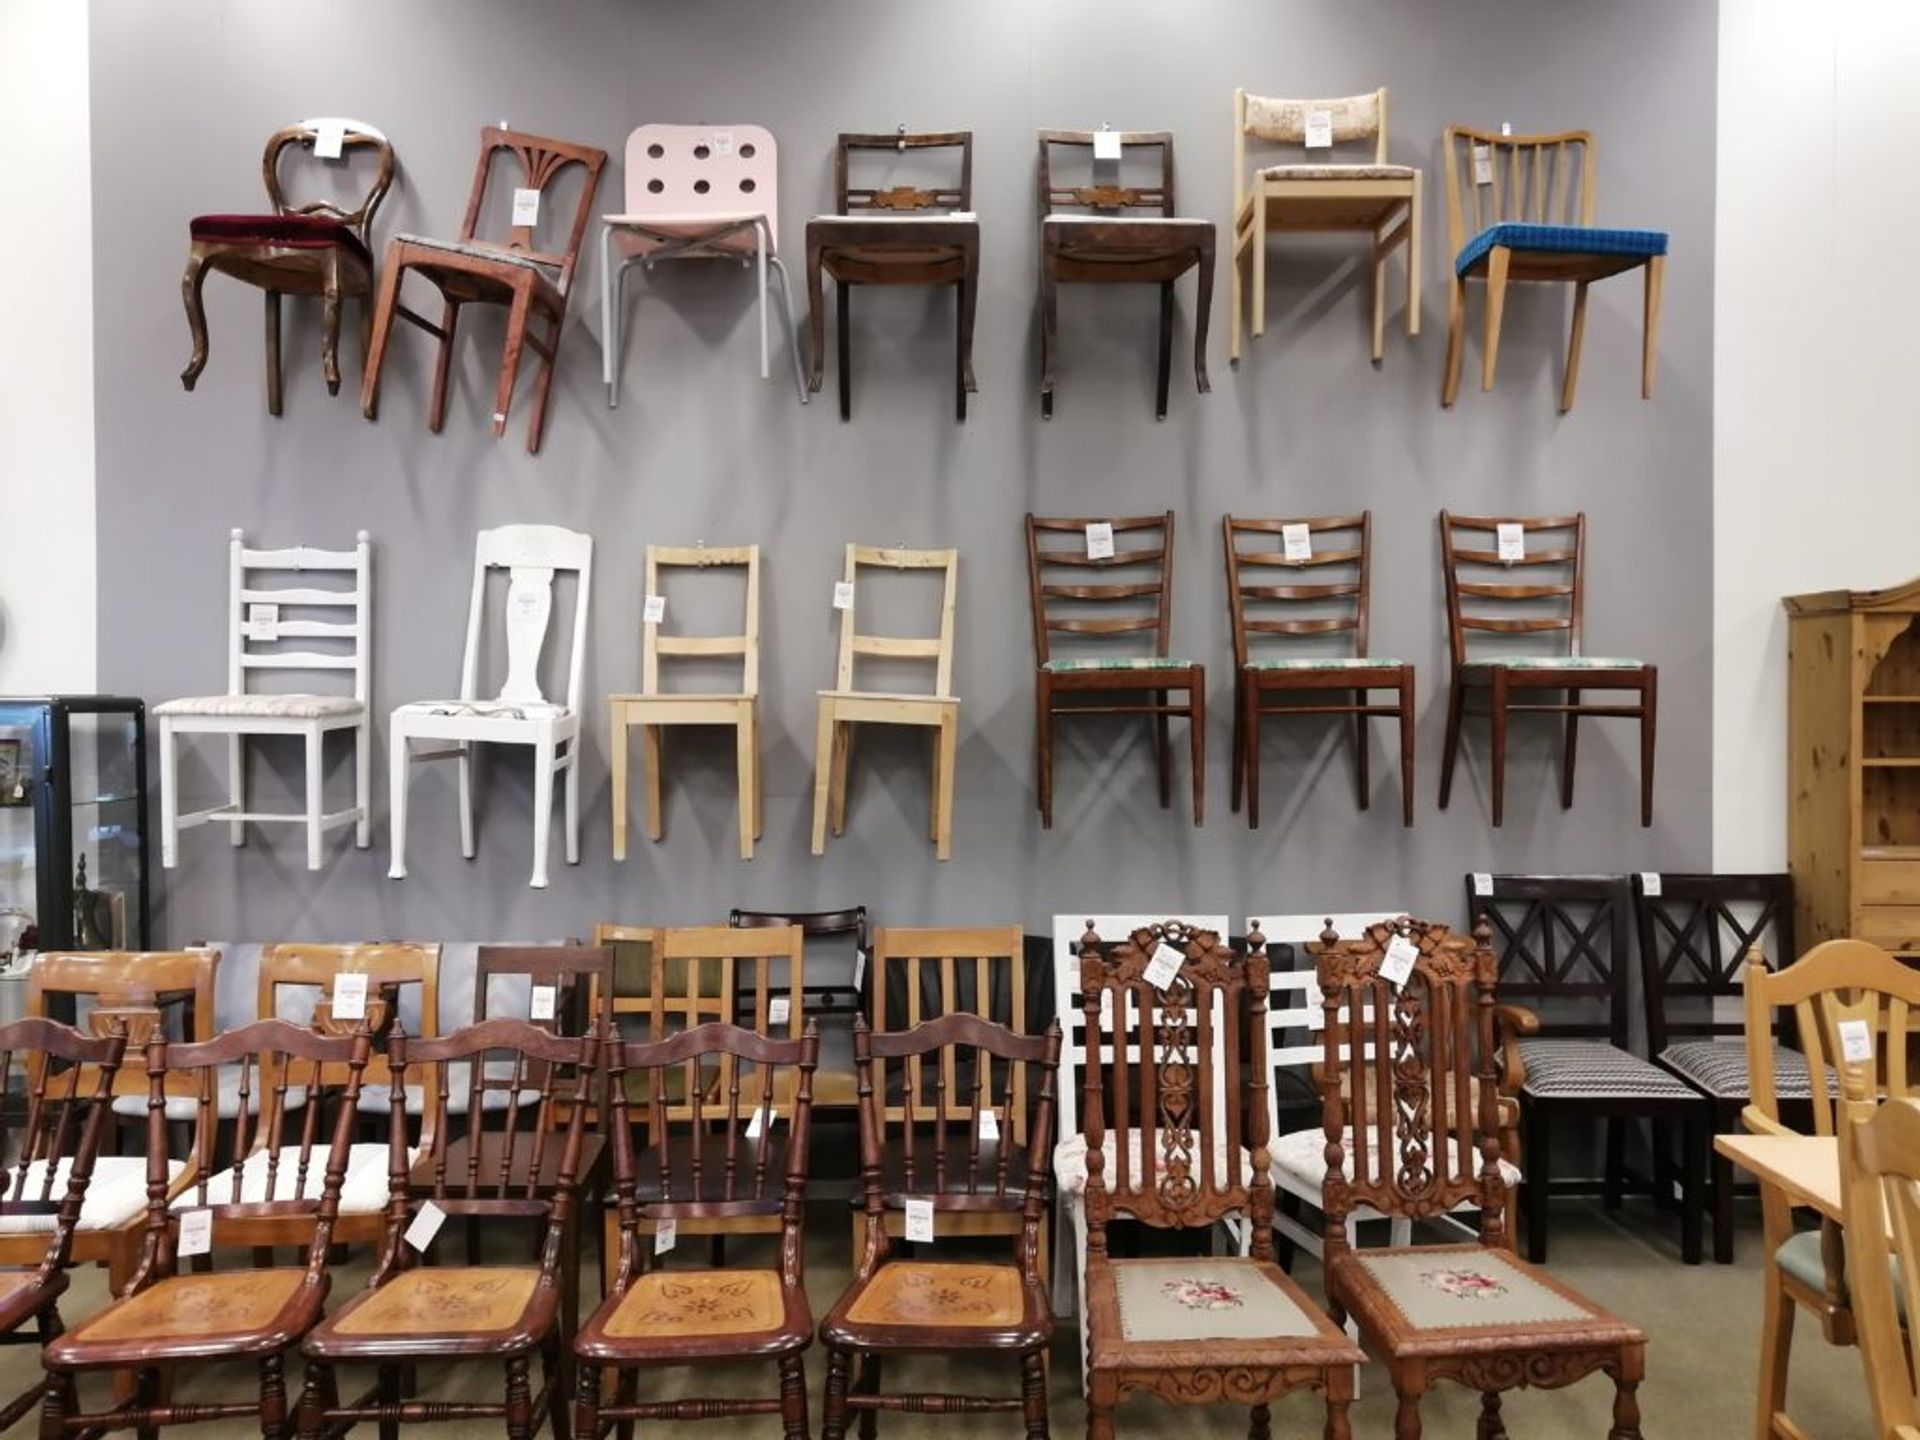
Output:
x=526 y=207
x=1164 y=966
x=1319 y=129
x=1099 y=540
x=1856 y=1040
x=1650 y=884
x=527 y=602
x=1512 y=540
x=758 y=1125
x=859 y=968
x=427 y=1221
x=1398 y=964
x=263 y=622
x=1106 y=145
x=656 y=609
x=1483 y=164
x=196 y=1233
x=1297 y=541
x=329 y=139
x=720 y=142
x=19 y=789
x=666 y=1234
x=843 y=594
x=779 y=1010
x=1482 y=883
x=350 y=997
x=543 y=1002
x=989 y=1127
x=920 y=1221
x=1506 y=128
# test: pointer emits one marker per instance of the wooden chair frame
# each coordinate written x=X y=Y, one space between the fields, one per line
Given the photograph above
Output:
x=816 y=925
x=1879 y=1167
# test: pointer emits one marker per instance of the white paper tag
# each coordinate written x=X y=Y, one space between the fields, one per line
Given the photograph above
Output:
x=1856 y=1040
x=263 y=622
x=920 y=1221
x=989 y=1127
x=1482 y=883
x=720 y=142
x=1164 y=966
x=779 y=1010
x=757 y=1126
x=1506 y=128
x=1650 y=884
x=427 y=1221
x=196 y=1233
x=543 y=1002
x=1483 y=164
x=1398 y=963
x=1099 y=540
x=666 y=1235
x=329 y=140
x=350 y=996
x=1106 y=145
x=843 y=594
x=655 y=610
x=1319 y=129
x=526 y=207
x=1297 y=542
x=1512 y=540
x=859 y=968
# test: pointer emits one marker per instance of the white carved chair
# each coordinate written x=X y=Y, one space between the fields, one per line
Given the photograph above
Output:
x=272 y=599
x=520 y=714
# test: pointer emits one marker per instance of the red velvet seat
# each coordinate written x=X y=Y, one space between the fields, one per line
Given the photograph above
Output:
x=297 y=232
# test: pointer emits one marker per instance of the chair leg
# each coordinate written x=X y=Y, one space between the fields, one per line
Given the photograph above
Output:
x=745 y=763
x=1722 y=1176
x=1202 y=316
x=1163 y=752
x=570 y=802
x=833 y=1411
x=1197 y=745
x=1033 y=1393
x=381 y=332
x=554 y=1357
x=1497 y=707
x=1259 y=312
x=1166 y=351
x=469 y=757
x=519 y=1400
x=1571 y=379
x=1043 y=746
x=842 y=764
x=586 y=1400
x=169 y=794
x=816 y=323
x=1406 y=745
x=949 y=739
x=311 y=1414
x=793 y=1397
x=651 y=745
x=1237 y=779
x=1569 y=752
x=822 y=774
x=1406 y=1416
x=363 y=784
x=1338 y=1426
x=316 y=780
x=1250 y=760
x=1456 y=704
x=1649 y=707
x=237 y=788
x=1456 y=340
x=1362 y=767
x=1698 y=1144
x=793 y=328
x=1491 y=1426
x=1776 y=1346
x=1626 y=1410
x=442 y=366
x=272 y=303
x=1650 y=335
x=191 y=285
x=543 y=759
x=844 y=346
x=961 y=340
x=330 y=333
x=1379 y=268
x=611 y=296
x=1236 y=297
x=1049 y=338
x=1538 y=1179
x=618 y=742
x=518 y=317
x=1413 y=259
x=1497 y=260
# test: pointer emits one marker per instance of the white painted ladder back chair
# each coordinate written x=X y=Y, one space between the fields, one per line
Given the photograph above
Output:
x=533 y=556
x=273 y=601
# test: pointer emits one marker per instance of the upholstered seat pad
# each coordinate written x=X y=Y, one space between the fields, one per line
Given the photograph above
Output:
x=485 y=709
x=1800 y=1258
x=116 y=1193
x=1338 y=172
x=1593 y=1069
x=1121 y=218
x=363 y=1192
x=1080 y=663
x=285 y=232
x=1200 y=1299
x=264 y=707
x=1070 y=1163
x=1563 y=239
x=480 y=250
x=1481 y=669
x=1719 y=1067
x=679 y=1303
x=1464 y=1287
x=920 y=217
x=1303 y=1156
x=1326 y=662
x=910 y=1293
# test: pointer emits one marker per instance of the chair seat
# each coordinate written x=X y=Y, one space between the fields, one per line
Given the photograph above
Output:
x=888 y=695
x=918 y=1304
x=1594 y=1070
x=639 y=234
x=1302 y=1157
x=1067 y=217
x=1561 y=240
x=498 y=1309
x=116 y=1194
x=698 y=1315
x=480 y=250
x=263 y=707
x=1336 y=662
x=1246 y=1313
x=226 y=1315
x=1800 y=1259
x=968 y=218
x=1482 y=670
x=1338 y=172
x=364 y=1191
x=1719 y=1067
x=513 y=711
x=283 y=232
x=1070 y=1163
x=1080 y=664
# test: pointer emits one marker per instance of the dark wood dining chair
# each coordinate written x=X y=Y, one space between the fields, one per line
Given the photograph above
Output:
x=1324 y=566
x=470 y=270
x=746 y=1155
x=902 y=234
x=1127 y=595
x=849 y=924
x=1411 y=1125
x=520 y=1166
x=1106 y=232
x=1478 y=554
x=316 y=248
x=170 y=1319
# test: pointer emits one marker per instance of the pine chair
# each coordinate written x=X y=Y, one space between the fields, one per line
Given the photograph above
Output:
x=1317 y=194
x=896 y=1306
x=903 y=234
x=519 y=1167
x=1879 y=1170
x=1539 y=603
x=1200 y=1330
x=658 y=1316
x=258 y=590
x=844 y=706
x=1337 y=550
x=472 y=270
x=533 y=556
x=653 y=709
x=312 y=249
x=1411 y=1127
x=1530 y=198
x=695 y=192
x=1129 y=594
x=1090 y=233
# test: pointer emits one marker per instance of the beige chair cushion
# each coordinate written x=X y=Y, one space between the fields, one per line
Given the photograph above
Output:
x=263 y=707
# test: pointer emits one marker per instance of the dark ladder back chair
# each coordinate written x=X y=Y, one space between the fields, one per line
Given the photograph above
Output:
x=821 y=997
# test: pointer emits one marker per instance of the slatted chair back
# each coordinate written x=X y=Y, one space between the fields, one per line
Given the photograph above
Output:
x=1351 y=120
x=856 y=644
x=1295 y=1015
x=1561 y=944
x=564 y=989
x=58 y=1084
x=91 y=988
x=901 y=199
x=849 y=924
x=535 y=164
x=656 y=646
x=294 y=594
x=1105 y=195
x=534 y=556
x=682 y=173
x=1880 y=1194
x=1127 y=593
x=354 y=135
x=1326 y=562
x=632 y=947
x=1695 y=932
x=1485 y=598
x=715 y=974
x=1532 y=179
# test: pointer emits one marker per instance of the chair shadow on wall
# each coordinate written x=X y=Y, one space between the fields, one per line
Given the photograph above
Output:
x=1102 y=332
x=1310 y=751
x=1323 y=275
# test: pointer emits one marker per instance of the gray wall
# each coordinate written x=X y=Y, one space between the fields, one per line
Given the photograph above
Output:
x=184 y=95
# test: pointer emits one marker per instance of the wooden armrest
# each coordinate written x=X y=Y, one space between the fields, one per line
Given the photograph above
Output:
x=1758 y=1123
x=1510 y=1023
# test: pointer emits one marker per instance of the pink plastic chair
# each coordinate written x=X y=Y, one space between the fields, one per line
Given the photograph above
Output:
x=695 y=192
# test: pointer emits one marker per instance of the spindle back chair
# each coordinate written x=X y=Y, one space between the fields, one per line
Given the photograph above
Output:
x=1880 y=1191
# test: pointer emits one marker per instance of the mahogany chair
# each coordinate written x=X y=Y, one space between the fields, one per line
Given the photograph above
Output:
x=471 y=270
x=312 y=249
x=737 y=1163
x=1879 y=1173
x=1409 y=1133
x=897 y=1306
x=1090 y=233
x=1196 y=1330
x=1337 y=552
x=903 y=234
x=1129 y=594
x=1531 y=205
x=169 y=1320
x=520 y=1164
x=1542 y=602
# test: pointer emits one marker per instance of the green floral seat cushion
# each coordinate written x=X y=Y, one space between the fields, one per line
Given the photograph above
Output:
x=1336 y=662
x=1554 y=662
x=1118 y=662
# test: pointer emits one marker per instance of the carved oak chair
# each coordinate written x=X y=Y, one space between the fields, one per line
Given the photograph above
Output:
x=311 y=249
x=1879 y=1173
x=902 y=234
x=1410 y=1133
x=1129 y=594
x=1315 y=194
x=846 y=705
x=1530 y=198
x=1541 y=602
x=534 y=557
x=1235 y=1330
x=897 y=1306
x=1092 y=233
x=736 y=1163
x=169 y=1320
x=653 y=709
x=520 y=1164
x=1337 y=552
x=471 y=270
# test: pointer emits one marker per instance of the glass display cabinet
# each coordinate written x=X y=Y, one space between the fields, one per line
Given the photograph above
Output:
x=73 y=834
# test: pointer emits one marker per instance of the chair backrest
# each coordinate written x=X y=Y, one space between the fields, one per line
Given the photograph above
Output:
x=1695 y=933
x=1339 y=555
x=632 y=948
x=746 y=644
x=568 y=988
x=56 y=1083
x=1350 y=119
x=1134 y=598
x=922 y=975
x=538 y=163
x=1105 y=194
x=74 y=987
x=1880 y=1196
x=901 y=199
x=855 y=643
x=354 y=135
x=532 y=556
x=1483 y=598
x=692 y=171
x=271 y=599
x=1560 y=943
x=1418 y=1107
x=1540 y=179
x=1295 y=1015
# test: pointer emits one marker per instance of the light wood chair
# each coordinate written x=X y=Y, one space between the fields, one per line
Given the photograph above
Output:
x=652 y=710
x=1375 y=198
x=1880 y=1192
x=844 y=706
x=1520 y=207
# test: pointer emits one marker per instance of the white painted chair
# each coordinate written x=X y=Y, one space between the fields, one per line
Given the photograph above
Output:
x=271 y=600
x=520 y=714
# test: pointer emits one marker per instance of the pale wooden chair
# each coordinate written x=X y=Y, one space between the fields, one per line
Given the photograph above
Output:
x=844 y=706
x=1376 y=197
x=651 y=710
x=1880 y=1192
